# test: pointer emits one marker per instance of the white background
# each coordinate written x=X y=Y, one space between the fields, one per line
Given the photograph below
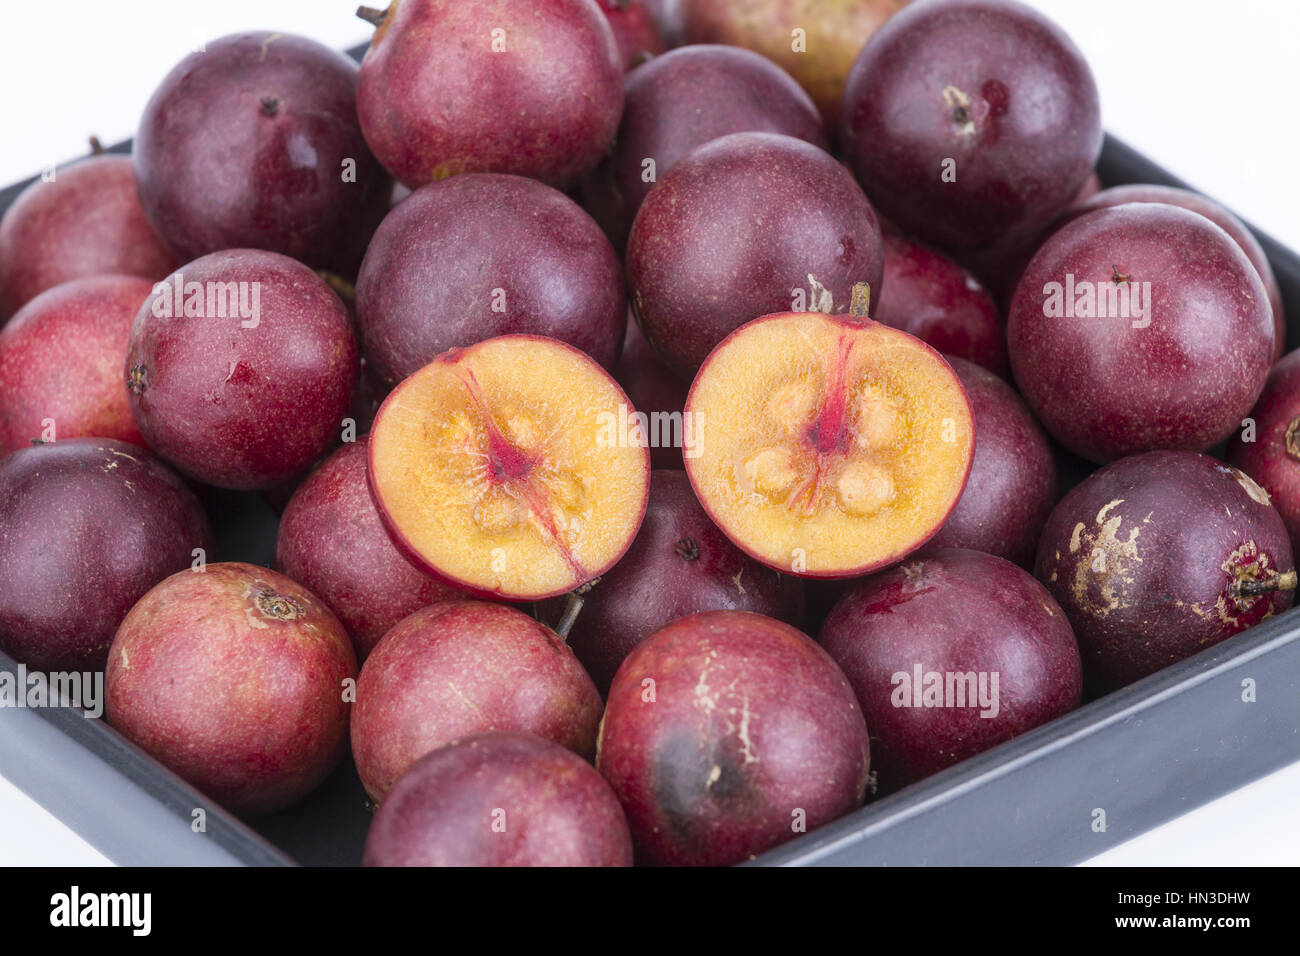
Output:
x=1206 y=89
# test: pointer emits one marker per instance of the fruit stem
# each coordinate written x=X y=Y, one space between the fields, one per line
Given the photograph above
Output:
x=1254 y=587
x=573 y=602
x=861 y=300
x=96 y=147
x=371 y=15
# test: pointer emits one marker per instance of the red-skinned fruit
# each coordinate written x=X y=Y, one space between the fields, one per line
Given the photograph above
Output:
x=87 y=221
x=333 y=542
x=482 y=255
x=828 y=446
x=531 y=87
x=684 y=99
x=1158 y=556
x=1139 y=327
x=680 y=564
x=90 y=525
x=500 y=799
x=233 y=678
x=697 y=267
x=254 y=389
x=1012 y=484
x=253 y=142
x=512 y=469
x=463 y=667
x=927 y=294
x=61 y=363
x=951 y=653
x=658 y=394
x=724 y=728
x=971 y=122
x=635 y=30
x=1272 y=456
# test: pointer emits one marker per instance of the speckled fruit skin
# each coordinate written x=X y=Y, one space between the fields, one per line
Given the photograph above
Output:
x=1012 y=484
x=463 y=667
x=554 y=808
x=651 y=387
x=431 y=276
x=990 y=84
x=684 y=99
x=932 y=297
x=61 y=359
x=834 y=30
x=748 y=721
x=232 y=677
x=951 y=611
x=680 y=564
x=435 y=99
x=89 y=525
x=244 y=408
x=698 y=267
x=1217 y=214
x=1182 y=376
x=1142 y=555
x=1273 y=458
x=332 y=541
x=635 y=31
x=243 y=146
x=87 y=222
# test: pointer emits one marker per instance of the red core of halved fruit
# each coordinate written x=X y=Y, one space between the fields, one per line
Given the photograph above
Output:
x=829 y=446
x=513 y=468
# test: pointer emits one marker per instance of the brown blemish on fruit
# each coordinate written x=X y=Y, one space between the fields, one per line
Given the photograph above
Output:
x=1292 y=439
x=271 y=604
x=958 y=104
x=270 y=106
x=137 y=380
x=1117 y=555
x=1257 y=494
x=266 y=43
x=736 y=581
x=687 y=549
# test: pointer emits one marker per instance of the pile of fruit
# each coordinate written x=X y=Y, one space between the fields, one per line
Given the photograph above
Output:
x=880 y=301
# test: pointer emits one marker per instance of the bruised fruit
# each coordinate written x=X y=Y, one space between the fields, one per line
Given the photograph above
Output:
x=90 y=524
x=241 y=368
x=971 y=122
x=253 y=142
x=635 y=30
x=829 y=446
x=1139 y=327
x=679 y=564
x=1012 y=483
x=816 y=40
x=1158 y=556
x=61 y=363
x=728 y=733
x=86 y=221
x=658 y=394
x=513 y=468
x=463 y=667
x=483 y=255
x=532 y=87
x=500 y=799
x=951 y=653
x=1272 y=454
x=333 y=542
x=698 y=266
x=932 y=297
x=233 y=678
x=684 y=99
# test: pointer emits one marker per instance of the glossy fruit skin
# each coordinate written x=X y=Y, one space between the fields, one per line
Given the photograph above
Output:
x=244 y=145
x=555 y=809
x=243 y=403
x=1182 y=376
x=951 y=610
x=463 y=667
x=333 y=542
x=1012 y=484
x=1218 y=214
x=61 y=359
x=435 y=100
x=685 y=99
x=90 y=525
x=481 y=255
x=86 y=222
x=233 y=678
x=680 y=564
x=993 y=86
x=1141 y=555
x=699 y=269
x=750 y=722
x=932 y=297
x=652 y=388
x=1273 y=457
x=635 y=31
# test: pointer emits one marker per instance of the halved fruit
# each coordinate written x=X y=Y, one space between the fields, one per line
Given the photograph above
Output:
x=830 y=445
x=513 y=468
